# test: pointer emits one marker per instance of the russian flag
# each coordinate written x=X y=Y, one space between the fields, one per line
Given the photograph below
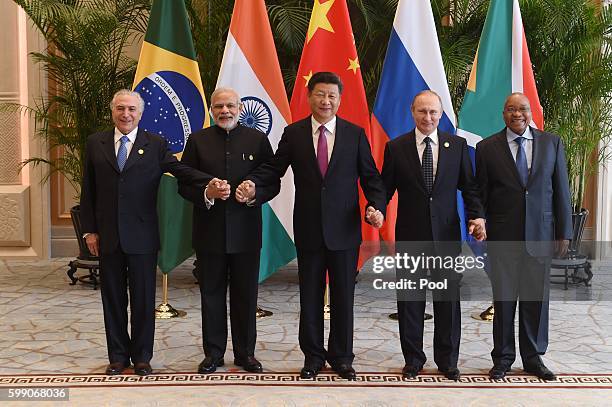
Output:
x=413 y=63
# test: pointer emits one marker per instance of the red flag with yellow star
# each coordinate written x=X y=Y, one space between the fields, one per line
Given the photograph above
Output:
x=330 y=46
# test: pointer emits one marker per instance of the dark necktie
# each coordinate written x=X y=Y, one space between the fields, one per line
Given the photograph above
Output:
x=521 y=161
x=122 y=152
x=322 y=151
x=427 y=166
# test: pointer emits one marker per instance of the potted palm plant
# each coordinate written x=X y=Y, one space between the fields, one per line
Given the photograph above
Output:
x=571 y=50
x=85 y=64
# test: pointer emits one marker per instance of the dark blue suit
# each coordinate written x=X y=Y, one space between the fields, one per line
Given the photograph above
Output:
x=522 y=224
x=121 y=207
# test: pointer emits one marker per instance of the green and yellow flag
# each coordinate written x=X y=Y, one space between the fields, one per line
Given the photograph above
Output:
x=169 y=81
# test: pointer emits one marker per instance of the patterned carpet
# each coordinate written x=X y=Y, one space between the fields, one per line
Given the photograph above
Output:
x=513 y=381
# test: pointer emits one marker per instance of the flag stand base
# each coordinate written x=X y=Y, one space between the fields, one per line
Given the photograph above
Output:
x=486 y=315
x=165 y=310
x=262 y=313
x=426 y=316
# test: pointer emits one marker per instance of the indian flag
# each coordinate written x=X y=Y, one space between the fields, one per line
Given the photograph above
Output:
x=168 y=79
x=250 y=66
x=501 y=66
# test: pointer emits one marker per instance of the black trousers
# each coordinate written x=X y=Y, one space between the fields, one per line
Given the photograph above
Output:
x=341 y=266
x=447 y=322
x=517 y=276
x=241 y=272
x=118 y=271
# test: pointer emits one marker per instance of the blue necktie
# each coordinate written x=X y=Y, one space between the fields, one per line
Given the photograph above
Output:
x=521 y=161
x=122 y=153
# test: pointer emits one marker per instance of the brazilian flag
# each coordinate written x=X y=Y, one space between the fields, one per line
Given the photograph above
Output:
x=169 y=81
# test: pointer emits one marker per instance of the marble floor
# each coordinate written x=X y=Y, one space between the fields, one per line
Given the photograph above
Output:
x=51 y=327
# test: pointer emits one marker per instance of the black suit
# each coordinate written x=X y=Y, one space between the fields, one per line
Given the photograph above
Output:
x=327 y=228
x=121 y=207
x=227 y=237
x=430 y=223
x=537 y=214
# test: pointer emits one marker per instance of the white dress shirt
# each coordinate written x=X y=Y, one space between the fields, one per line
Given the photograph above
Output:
x=527 y=144
x=330 y=133
x=420 y=145
x=131 y=135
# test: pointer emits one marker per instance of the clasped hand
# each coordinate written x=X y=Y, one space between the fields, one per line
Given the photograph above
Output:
x=245 y=191
x=218 y=188
x=374 y=217
x=476 y=228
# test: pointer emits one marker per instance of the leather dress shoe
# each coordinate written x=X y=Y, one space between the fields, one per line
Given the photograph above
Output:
x=116 y=368
x=541 y=371
x=310 y=371
x=451 y=373
x=209 y=364
x=345 y=371
x=498 y=372
x=142 y=368
x=410 y=372
x=250 y=364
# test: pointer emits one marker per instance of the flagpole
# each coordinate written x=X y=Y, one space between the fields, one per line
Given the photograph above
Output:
x=326 y=306
x=165 y=310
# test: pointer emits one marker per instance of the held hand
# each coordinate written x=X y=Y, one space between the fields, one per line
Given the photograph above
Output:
x=374 y=217
x=476 y=228
x=218 y=188
x=561 y=246
x=93 y=244
x=245 y=191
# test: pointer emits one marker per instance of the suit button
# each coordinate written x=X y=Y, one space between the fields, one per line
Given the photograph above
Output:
x=323 y=188
x=526 y=192
x=430 y=198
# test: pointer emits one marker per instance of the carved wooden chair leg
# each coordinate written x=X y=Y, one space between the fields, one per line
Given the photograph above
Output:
x=71 y=272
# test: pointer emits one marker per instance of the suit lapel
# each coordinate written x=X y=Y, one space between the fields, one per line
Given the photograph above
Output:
x=340 y=133
x=506 y=155
x=535 y=149
x=442 y=158
x=108 y=148
x=138 y=149
x=412 y=156
x=308 y=145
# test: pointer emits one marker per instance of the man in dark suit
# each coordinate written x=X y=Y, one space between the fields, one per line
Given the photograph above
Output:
x=427 y=167
x=226 y=233
x=523 y=182
x=123 y=168
x=328 y=156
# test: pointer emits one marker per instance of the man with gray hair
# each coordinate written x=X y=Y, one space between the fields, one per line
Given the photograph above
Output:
x=227 y=233
x=123 y=168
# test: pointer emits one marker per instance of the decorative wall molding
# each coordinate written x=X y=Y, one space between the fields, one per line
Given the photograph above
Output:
x=15 y=219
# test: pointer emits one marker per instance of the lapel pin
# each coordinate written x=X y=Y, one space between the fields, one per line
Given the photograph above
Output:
x=251 y=157
x=446 y=144
x=141 y=151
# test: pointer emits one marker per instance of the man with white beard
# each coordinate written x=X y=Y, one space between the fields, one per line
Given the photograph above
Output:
x=227 y=233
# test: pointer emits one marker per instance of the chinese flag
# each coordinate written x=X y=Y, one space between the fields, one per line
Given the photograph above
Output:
x=330 y=46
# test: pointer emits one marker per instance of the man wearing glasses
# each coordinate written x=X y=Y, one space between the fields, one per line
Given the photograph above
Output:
x=226 y=233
